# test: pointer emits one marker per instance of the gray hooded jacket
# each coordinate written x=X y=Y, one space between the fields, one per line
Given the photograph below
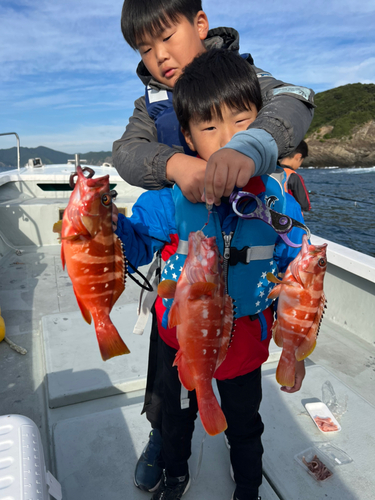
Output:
x=286 y=115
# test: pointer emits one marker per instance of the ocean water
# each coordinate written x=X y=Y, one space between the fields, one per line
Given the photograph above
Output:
x=342 y=206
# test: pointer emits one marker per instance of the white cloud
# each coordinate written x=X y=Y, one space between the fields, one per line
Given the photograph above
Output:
x=68 y=77
x=79 y=139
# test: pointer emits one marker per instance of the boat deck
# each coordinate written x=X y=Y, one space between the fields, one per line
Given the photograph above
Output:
x=88 y=411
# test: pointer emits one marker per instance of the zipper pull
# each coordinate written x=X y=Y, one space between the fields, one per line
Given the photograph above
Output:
x=227 y=240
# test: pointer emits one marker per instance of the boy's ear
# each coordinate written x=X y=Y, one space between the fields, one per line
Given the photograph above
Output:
x=201 y=22
x=188 y=139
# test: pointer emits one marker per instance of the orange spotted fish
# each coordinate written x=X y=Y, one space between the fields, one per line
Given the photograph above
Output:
x=203 y=314
x=300 y=308
x=94 y=258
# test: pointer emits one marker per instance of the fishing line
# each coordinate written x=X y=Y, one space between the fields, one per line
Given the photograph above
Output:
x=341 y=198
x=147 y=286
x=208 y=219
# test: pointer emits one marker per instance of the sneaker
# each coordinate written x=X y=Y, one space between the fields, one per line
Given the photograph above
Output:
x=172 y=488
x=149 y=470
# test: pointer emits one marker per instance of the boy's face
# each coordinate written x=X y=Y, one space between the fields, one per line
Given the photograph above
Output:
x=167 y=55
x=208 y=137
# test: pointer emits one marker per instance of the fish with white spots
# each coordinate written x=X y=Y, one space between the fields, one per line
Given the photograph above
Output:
x=94 y=257
x=300 y=308
x=203 y=315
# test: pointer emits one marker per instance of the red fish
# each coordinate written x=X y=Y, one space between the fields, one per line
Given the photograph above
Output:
x=94 y=258
x=203 y=314
x=300 y=308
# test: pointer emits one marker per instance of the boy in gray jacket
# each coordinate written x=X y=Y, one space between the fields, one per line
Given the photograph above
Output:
x=168 y=35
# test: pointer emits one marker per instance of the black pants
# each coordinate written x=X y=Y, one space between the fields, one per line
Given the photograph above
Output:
x=154 y=387
x=240 y=401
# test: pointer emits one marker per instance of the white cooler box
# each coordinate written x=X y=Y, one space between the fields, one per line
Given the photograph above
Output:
x=23 y=474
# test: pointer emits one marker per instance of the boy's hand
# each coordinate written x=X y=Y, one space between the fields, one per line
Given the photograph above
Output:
x=300 y=375
x=188 y=173
x=225 y=169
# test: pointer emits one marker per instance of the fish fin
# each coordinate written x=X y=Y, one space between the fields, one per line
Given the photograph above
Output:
x=72 y=237
x=184 y=373
x=57 y=227
x=62 y=257
x=307 y=346
x=275 y=292
x=309 y=342
x=286 y=371
x=174 y=318
x=167 y=289
x=277 y=337
x=294 y=269
x=212 y=416
x=227 y=330
x=201 y=288
x=84 y=311
x=109 y=340
x=119 y=269
x=271 y=277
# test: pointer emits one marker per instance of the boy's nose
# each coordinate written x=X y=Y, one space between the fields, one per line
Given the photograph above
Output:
x=226 y=136
x=161 y=53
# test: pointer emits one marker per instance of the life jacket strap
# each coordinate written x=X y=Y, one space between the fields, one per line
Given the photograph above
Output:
x=263 y=324
x=183 y=247
x=146 y=301
x=247 y=254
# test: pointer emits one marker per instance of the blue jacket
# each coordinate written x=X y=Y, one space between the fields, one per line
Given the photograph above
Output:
x=159 y=214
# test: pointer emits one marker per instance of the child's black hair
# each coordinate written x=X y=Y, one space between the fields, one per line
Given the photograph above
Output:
x=301 y=148
x=212 y=79
x=141 y=17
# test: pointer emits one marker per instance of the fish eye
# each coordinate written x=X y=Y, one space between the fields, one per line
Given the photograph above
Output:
x=322 y=262
x=106 y=200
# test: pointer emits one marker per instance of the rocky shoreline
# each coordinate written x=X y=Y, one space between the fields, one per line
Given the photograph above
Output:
x=357 y=150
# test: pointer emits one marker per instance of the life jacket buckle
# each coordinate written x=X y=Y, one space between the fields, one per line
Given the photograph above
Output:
x=237 y=256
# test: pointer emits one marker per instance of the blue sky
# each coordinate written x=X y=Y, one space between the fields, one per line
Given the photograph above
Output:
x=67 y=78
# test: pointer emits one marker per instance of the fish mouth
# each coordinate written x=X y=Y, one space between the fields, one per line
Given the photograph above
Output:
x=98 y=182
x=89 y=179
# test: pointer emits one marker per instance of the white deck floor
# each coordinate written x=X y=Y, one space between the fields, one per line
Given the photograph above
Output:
x=93 y=433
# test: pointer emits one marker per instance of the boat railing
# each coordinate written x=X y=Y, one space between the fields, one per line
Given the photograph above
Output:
x=77 y=160
x=18 y=147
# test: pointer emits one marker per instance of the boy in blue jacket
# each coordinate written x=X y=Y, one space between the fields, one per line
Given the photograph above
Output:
x=217 y=96
x=152 y=153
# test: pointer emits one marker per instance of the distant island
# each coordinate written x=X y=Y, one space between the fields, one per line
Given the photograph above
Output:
x=8 y=157
x=342 y=133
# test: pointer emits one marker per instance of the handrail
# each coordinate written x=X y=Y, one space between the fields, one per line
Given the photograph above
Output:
x=18 y=147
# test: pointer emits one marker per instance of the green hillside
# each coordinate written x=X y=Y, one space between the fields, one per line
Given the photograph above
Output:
x=8 y=157
x=344 y=108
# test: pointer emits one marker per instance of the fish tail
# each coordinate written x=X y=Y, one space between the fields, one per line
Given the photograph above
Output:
x=212 y=416
x=285 y=372
x=276 y=334
x=109 y=340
